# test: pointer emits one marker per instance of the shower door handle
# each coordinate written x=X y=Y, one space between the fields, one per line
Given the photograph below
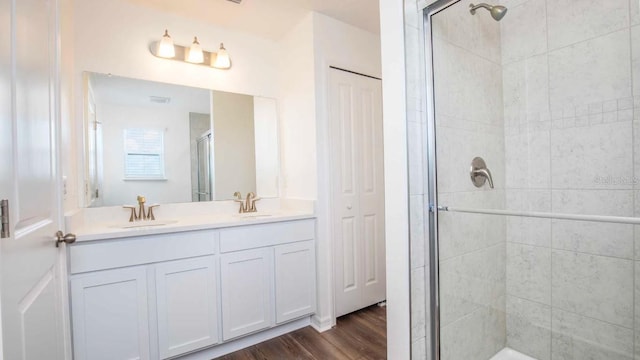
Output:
x=480 y=173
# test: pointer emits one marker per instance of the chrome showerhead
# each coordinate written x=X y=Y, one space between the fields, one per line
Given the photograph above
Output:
x=497 y=11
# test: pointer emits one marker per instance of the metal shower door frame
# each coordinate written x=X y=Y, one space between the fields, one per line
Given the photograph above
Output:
x=430 y=8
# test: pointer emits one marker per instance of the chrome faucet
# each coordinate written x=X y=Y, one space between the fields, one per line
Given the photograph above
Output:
x=141 y=214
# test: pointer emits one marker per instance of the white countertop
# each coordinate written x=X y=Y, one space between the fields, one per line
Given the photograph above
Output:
x=215 y=221
x=105 y=223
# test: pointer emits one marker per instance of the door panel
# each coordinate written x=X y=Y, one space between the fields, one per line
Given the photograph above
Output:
x=32 y=323
x=357 y=190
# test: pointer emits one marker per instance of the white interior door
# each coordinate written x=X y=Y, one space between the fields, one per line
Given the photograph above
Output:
x=355 y=104
x=31 y=294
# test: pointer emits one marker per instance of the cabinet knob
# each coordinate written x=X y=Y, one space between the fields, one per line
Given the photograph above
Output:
x=349 y=207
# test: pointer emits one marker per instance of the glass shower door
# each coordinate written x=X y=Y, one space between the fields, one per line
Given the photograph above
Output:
x=534 y=119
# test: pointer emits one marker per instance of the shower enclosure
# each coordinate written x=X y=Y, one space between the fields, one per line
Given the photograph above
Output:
x=535 y=250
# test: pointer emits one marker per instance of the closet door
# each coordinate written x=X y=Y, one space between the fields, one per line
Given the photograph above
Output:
x=355 y=127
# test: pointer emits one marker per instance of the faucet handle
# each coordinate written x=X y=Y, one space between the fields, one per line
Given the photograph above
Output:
x=253 y=204
x=238 y=198
x=150 y=213
x=133 y=212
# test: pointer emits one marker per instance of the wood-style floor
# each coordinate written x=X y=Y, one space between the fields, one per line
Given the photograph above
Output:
x=361 y=335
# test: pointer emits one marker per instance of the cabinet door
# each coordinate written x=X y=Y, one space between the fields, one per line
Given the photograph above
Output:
x=295 y=266
x=247 y=304
x=187 y=305
x=110 y=315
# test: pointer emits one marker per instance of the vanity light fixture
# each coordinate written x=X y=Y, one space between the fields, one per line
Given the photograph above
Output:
x=193 y=54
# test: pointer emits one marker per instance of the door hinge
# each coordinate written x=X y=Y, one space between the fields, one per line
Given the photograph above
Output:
x=4 y=219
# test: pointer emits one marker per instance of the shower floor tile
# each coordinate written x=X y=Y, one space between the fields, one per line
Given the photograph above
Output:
x=510 y=354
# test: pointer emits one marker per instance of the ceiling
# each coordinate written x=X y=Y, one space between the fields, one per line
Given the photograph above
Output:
x=132 y=92
x=270 y=18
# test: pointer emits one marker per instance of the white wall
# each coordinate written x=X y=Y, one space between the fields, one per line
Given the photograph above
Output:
x=175 y=122
x=308 y=50
x=114 y=36
x=396 y=179
x=265 y=123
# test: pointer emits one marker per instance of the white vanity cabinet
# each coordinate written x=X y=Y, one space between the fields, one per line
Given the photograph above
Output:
x=162 y=296
x=246 y=292
x=295 y=280
x=110 y=314
x=187 y=305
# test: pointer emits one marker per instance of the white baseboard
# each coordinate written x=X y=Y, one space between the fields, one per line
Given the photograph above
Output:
x=243 y=342
x=321 y=325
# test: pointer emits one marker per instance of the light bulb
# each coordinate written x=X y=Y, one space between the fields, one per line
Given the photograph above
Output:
x=195 y=52
x=165 y=46
x=222 y=59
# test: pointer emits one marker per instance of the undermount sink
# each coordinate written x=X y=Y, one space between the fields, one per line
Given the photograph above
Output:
x=145 y=223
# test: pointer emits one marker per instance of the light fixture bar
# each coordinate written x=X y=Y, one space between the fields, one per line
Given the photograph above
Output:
x=181 y=51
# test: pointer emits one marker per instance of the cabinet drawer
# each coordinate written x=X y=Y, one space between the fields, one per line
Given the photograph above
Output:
x=254 y=236
x=93 y=256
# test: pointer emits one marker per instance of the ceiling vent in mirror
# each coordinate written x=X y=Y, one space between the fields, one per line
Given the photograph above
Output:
x=160 y=99
x=235 y=1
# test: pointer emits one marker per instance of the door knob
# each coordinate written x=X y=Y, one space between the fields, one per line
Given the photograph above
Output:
x=62 y=238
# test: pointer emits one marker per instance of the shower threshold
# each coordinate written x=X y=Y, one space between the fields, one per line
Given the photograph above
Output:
x=510 y=354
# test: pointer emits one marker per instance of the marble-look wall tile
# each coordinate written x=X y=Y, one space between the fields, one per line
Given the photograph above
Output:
x=592 y=157
x=576 y=337
x=634 y=6
x=419 y=349
x=597 y=238
x=415 y=132
x=595 y=286
x=418 y=304
x=417 y=231
x=572 y=21
x=591 y=71
x=480 y=335
x=529 y=272
x=635 y=64
x=472 y=281
x=637 y=312
x=525 y=21
x=528 y=230
x=478 y=34
x=528 y=160
x=467 y=86
x=461 y=233
x=529 y=327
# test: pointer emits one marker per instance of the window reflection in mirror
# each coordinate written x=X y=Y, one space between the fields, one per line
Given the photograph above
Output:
x=175 y=143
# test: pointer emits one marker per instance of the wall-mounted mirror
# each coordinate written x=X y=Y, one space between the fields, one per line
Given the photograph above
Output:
x=174 y=143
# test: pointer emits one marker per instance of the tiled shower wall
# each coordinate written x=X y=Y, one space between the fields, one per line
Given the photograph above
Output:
x=416 y=126
x=571 y=72
x=469 y=123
